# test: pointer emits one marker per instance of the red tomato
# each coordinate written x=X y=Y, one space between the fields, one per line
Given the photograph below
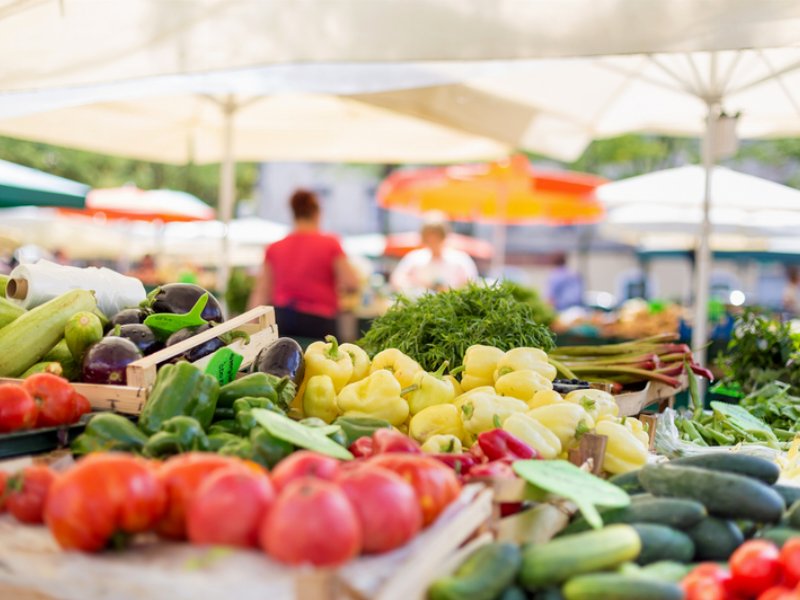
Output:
x=435 y=484
x=385 y=504
x=18 y=409
x=388 y=440
x=707 y=581
x=181 y=476
x=82 y=406
x=3 y=480
x=26 y=493
x=312 y=522
x=790 y=561
x=54 y=395
x=102 y=495
x=755 y=567
x=303 y=464
x=229 y=507
x=779 y=593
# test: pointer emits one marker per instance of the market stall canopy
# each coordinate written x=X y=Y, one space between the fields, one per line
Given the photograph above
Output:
x=125 y=39
x=131 y=203
x=399 y=244
x=23 y=186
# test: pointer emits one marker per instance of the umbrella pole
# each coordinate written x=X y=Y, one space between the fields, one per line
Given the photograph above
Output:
x=499 y=235
x=227 y=193
x=703 y=256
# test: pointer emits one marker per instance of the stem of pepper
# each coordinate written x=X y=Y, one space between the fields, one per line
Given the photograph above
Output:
x=333 y=351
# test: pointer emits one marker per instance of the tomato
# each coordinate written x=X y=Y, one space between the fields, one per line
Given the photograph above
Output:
x=26 y=493
x=311 y=522
x=790 y=561
x=18 y=409
x=755 y=567
x=708 y=581
x=181 y=476
x=301 y=464
x=82 y=406
x=54 y=395
x=435 y=484
x=388 y=440
x=386 y=506
x=3 y=480
x=103 y=495
x=779 y=593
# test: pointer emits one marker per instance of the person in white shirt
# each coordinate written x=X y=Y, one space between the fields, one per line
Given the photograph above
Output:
x=435 y=267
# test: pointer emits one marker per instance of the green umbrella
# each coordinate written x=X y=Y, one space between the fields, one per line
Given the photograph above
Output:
x=23 y=186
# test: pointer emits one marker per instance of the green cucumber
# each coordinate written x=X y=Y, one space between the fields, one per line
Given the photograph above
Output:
x=483 y=576
x=789 y=493
x=666 y=570
x=513 y=593
x=715 y=539
x=723 y=494
x=660 y=542
x=672 y=512
x=779 y=535
x=81 y=331
x=550 y=593
x=559 y=559
x=729 y=462
x=24 y=342
x=9 y=312
x=792 y=516
x=60 y=353
x=51 y=367
x=612 y=586
x=628 y=481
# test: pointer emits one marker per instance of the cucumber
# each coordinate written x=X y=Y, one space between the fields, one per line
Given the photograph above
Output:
x=789 y=493
x=741 y=464
x=723 y=494
x=513 y=593
x=9 y=312
x=483 y=576
x=715 y=539
x=793 y=516
x=550 y=593
x=60 y=353
x=666 y=570
x=24 y=342
x=81 y=331
x=672 y=512
x=660 y=542
x=628 y=481
x=44 y=367
x=779 y=535
x=558 y=560
x=611 y=586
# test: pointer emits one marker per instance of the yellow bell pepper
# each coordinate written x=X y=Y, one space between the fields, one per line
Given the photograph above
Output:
x=401 y=366
x=567 y=420
x=545 y=397
x=430 y=389
x=327 y=359
x=376 y=396
x=441 y=419
x=480 y=363
x=522 y=384
x=525 y=359
x=361 y=362
x=597 y=403
x=319 y=399
x=637 y=428
x=624 y=452
x=443 y=444
x=533 y=433
x=485 y=411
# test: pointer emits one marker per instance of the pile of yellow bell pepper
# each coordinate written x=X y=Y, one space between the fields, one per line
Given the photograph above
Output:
x=510 y=390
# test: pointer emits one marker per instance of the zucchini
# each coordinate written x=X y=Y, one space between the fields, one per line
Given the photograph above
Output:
x=81 y=331
x=9 y=312
x=723 y=494
x=51 y=367
x=715 y=539
x=793 y=516
x=729 y=462
x=672 y=512
x=666 y=570
x=483 y=576
x=612 y=586
x=779 y=535
x=3 y=283
x=628 y=481
x=789 y=493
x=33 y=334
x=558 y=560
x=60 y=353
x=660 y=542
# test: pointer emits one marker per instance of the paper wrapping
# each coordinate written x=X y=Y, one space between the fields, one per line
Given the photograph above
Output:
x=47 y=280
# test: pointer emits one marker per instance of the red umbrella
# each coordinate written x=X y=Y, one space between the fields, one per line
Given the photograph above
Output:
x=131 y=203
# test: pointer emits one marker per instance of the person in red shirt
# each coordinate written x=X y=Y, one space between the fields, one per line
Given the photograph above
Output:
x=303 y=274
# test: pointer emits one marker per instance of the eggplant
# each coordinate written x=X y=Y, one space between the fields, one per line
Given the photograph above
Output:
x=106 y=361
x=130 y=316
x=197 y=352
x=282 y=358
x=141 y=335
x=180 y=298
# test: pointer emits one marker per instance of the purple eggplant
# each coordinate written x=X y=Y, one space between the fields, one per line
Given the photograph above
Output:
x=130 y=316
x=180 y=298
x=282 y=358
x=105 y=361
x=197 y=352
x=141 y=335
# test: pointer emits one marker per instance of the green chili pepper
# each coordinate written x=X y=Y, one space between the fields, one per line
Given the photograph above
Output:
x=358 y=427
x=721 y=438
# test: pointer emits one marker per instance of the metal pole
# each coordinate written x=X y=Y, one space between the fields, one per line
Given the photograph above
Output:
x=227 y=191
x=500 y=233
x=703 y=256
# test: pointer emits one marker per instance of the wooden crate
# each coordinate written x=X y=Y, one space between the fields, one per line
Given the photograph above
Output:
x=655 y=392
x=258 y=323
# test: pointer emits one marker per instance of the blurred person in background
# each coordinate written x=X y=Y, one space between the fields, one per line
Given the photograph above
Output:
x=304 y=273
x=434 y=267
x=146 y=270
x=565 y=286
x=791 y=293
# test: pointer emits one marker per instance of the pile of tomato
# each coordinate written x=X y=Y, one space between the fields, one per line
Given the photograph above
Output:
x=41 y=400
x=757 y=569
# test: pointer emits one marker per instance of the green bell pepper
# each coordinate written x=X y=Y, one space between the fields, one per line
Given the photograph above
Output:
x=259 y=385
x=224 y=426
x=358 y=427
x=180 y=390
x=217 y=441
x=267 y=450
x=178 y=434
x=108 y=431
x=242 y=409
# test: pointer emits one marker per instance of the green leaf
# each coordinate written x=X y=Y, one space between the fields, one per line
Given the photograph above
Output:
x=310 y=438
x=564 y=479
